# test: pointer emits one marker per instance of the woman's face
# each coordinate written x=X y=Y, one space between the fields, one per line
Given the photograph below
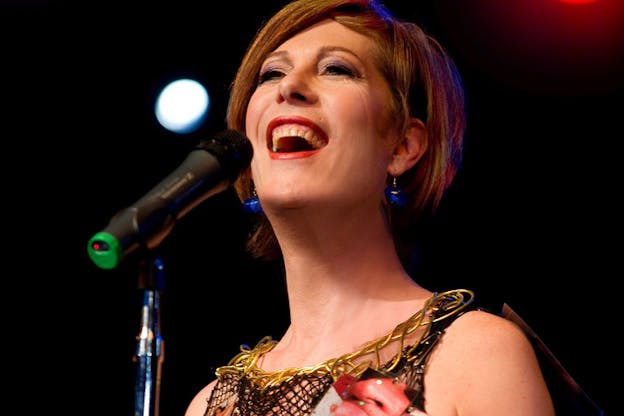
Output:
x=318 y=122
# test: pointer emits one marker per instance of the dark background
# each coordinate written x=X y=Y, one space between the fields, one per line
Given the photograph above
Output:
x=533 y=219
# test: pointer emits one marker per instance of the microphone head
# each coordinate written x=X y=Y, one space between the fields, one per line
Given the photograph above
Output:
x=233 y=150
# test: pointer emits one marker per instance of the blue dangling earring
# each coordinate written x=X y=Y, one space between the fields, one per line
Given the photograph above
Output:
x=395 y=196
x=252 y=204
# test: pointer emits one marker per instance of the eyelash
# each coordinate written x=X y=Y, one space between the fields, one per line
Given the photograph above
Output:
x=331 y=69
x=268 y=75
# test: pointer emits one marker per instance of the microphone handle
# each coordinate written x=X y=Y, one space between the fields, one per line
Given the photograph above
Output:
x=147 y=222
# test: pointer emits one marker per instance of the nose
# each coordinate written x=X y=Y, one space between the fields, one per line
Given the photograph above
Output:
x=296 y=87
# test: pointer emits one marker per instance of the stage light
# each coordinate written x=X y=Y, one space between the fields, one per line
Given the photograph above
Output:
x=182 y=106
x=577 y=1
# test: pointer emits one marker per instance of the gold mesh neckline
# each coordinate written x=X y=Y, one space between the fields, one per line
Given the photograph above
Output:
x=438 y=307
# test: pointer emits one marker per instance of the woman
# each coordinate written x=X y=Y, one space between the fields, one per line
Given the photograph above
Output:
x=356 y=120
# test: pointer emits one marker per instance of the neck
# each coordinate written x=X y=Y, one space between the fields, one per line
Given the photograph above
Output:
x=274 y=359
x=345 y=282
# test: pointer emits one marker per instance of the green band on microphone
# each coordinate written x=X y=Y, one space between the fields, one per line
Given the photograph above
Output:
x=104 y=250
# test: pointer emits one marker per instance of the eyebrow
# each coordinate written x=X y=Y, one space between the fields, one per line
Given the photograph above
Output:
x=325 y=50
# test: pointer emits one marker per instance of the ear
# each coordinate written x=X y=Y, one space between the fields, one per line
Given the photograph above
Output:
x=410 y=149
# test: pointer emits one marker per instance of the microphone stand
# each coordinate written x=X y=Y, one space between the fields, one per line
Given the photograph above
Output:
x=150 y=345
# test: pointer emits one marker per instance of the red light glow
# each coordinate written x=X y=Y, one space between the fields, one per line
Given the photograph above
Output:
x=555 y=46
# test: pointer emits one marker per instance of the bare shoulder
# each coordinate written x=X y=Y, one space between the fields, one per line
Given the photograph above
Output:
x=482 y=329
x=197 y=407
x=488 y=341
x=486 y=365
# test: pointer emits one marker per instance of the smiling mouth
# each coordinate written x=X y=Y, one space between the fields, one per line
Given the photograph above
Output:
x=289 y=138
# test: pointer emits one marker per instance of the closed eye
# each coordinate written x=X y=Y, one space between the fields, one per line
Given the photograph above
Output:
x=269 y=75
x=339 y=70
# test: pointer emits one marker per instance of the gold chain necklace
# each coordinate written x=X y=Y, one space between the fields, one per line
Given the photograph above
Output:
x=437 y=307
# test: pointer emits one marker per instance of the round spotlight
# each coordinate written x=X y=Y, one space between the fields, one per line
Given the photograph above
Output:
x=182 y=106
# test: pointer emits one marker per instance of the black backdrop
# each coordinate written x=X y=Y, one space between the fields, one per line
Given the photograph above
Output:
x=533 y=219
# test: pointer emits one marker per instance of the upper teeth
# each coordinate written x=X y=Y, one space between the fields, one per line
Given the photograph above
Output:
x=288 y=131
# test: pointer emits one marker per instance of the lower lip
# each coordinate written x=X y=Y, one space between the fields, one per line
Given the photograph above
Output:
x=292 y=155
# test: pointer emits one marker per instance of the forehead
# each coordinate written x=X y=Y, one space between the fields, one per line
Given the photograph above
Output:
x=328 y=33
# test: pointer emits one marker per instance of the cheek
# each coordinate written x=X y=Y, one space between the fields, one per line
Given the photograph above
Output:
x=367 y=123
x=359 y=107
x=254 y=111
x=254 y=125
x=366 y=108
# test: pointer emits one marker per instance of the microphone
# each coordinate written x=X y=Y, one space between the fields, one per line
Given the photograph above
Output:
x=210 y=168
